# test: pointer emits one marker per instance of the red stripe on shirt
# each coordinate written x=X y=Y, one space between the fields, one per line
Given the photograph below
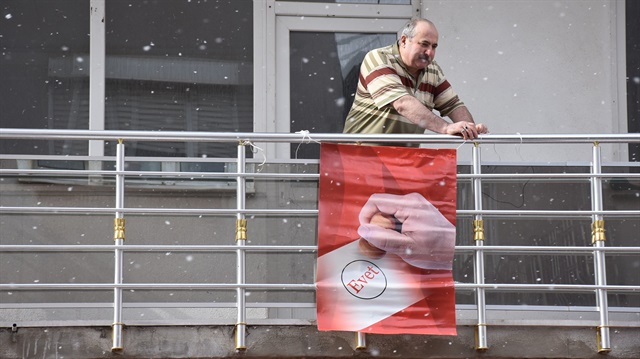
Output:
x=380 y=72
x=407 y=82
x=441 y=88
x=361 y=79
x=426 y=87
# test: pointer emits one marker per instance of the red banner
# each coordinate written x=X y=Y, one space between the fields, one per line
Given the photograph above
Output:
x=386 y=236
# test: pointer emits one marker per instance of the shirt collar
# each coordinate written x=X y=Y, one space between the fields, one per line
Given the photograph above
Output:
x=395 y=50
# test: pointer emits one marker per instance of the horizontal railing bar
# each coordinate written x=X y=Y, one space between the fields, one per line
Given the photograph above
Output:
x=190 y=136
x=549 y=287
x=159 y=159
x=301 y=286
x=204 y=211
x=547 y=175
x=289 y=248
x=153 y=248
x=546 y=308
x=174 y=211
x=546 y=249
x=106 y=158
x=307 y=161
x=156 y=286
x=545 y=213
x=145 y=305
x=84 y=173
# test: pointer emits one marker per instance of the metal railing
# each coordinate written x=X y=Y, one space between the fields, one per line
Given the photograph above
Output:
x=478 y=250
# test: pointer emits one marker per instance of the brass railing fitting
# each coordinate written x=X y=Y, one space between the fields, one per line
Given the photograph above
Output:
x=601 y=349
x=597 y=231
x=478 y=230
x=239 y=336
x=481 y=345
x=118 y=228
x=241 y=230
x=361 y=341
x=117 y=336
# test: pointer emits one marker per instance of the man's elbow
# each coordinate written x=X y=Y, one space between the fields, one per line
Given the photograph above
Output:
x=401 y=104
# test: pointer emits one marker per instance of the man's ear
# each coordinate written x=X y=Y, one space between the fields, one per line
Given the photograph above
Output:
x=403 y=40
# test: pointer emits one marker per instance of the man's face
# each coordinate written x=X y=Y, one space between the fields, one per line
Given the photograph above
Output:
x=419 y=51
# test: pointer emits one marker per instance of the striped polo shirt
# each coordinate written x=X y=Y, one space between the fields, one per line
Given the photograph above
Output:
x=384 y=79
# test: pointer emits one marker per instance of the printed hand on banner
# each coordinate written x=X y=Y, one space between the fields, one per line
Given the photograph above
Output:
x=427 y=238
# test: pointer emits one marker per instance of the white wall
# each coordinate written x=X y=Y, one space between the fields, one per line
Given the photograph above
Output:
x=531 y=67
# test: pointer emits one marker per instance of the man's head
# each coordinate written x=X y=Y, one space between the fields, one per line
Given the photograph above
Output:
x=418 y=43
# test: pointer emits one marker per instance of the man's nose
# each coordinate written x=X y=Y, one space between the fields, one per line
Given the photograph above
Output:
x=430 y=51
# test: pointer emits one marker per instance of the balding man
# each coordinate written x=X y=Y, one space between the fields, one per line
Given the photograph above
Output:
x=401 y=84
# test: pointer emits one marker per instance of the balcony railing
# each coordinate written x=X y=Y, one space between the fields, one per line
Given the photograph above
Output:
x=248 y=170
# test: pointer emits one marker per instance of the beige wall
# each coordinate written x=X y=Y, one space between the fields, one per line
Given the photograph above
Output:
x=535 y=66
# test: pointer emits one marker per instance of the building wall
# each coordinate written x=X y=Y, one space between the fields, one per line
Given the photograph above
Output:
x=526 y=67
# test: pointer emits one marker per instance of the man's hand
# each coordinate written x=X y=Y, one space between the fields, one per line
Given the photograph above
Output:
x=463 y=124
x=427 y=238
x=468 y=130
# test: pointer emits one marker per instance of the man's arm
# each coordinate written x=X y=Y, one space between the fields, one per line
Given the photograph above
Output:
x=462 y=114
x=463 y=124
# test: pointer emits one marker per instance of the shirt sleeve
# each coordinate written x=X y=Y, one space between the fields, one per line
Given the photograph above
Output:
x=382 y=81
x=445 y=98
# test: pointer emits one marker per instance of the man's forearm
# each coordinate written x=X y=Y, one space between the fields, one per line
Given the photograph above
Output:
x=463 y=123
x=461 y=114
x=413 y=110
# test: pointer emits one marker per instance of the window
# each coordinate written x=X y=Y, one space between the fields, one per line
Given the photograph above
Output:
x=179 y=65
x=39 y=37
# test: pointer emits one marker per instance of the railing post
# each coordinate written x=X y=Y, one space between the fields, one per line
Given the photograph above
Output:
x=598 y=238
x=478 y=237
x=118 y=235
x=241 y=237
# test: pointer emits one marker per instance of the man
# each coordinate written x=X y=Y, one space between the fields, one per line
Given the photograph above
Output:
x=401 y=84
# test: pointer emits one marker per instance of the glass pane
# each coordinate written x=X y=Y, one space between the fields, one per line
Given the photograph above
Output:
x=331 y=62
x=179 y=66
x=632 y=32
x=43 y=70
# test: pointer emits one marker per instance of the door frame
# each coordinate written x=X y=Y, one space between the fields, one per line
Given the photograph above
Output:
x=271 y=47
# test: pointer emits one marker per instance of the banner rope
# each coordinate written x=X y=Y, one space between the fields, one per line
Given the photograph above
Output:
x=518 y=147
x=305 y=135
x=462 y=144
x=255 y=149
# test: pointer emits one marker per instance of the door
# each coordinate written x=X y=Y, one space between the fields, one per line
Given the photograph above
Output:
x=317 y=59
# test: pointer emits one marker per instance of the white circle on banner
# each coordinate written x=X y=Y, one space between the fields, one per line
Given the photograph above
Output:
x=363 y=279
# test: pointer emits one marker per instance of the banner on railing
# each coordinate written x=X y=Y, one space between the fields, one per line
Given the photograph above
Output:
x=386 y=236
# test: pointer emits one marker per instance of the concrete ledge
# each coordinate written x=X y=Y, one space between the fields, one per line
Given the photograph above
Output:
x=307 y=342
